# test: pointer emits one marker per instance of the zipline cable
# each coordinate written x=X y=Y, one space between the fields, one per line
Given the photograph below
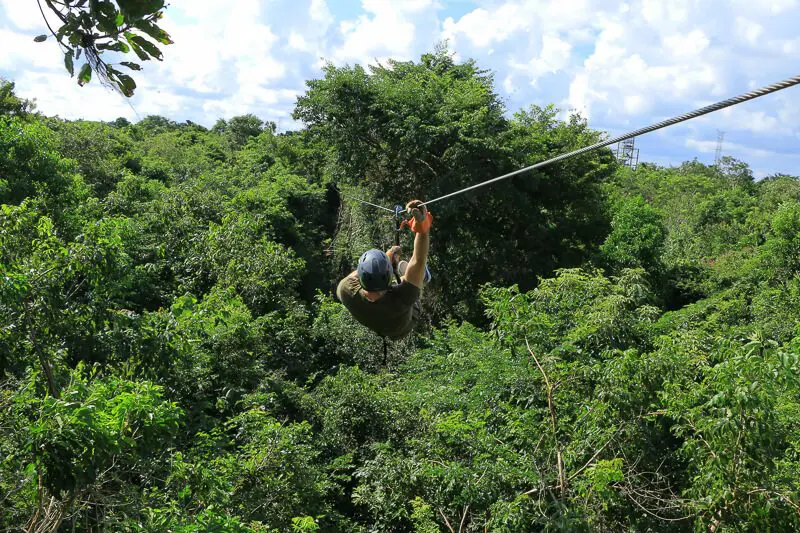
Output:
x=670 y=122
x=369 y=203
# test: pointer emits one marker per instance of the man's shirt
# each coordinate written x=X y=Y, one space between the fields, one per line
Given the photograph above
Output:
x=392 y=316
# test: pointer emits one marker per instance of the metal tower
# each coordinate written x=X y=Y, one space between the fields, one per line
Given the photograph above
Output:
x=628 y=154
x=720 y=138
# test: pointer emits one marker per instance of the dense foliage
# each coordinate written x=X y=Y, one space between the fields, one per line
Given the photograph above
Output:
x=602 y=349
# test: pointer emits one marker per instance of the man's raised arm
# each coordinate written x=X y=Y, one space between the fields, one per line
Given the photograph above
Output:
x=415 y=273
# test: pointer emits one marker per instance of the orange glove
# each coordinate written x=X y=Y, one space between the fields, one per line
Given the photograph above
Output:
x=394 y=255
x=422 y=218
x=423 y=226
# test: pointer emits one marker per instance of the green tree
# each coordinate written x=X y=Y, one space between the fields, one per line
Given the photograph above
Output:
x=74 y=454
x=782 y=249
x=637 y=236
x=102 y=153
x=11 y=104
x=239 y=130
x=421 y=129
x=30 y=165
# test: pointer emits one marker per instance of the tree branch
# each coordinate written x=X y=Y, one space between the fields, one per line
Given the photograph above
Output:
x=591 y=460
x=651 y=513
x=562 y=481
x=463 y=517
x=53 y=33
x=446 y=521
x=58 y=13
x=48 y=371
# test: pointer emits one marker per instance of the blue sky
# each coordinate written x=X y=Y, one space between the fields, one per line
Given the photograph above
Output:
x=622 y=64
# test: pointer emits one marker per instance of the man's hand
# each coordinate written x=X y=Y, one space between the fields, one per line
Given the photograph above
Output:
x=415 y=272
x=394 y=255
x=419 y=211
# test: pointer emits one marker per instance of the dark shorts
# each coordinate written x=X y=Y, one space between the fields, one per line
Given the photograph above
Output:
x=416 y=311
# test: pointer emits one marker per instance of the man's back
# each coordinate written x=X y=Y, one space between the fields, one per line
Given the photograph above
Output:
x=391 y=316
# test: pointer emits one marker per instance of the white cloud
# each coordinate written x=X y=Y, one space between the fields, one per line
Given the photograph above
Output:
x=621 y=63
x=224 y=42
x=789 y=112
x=554 y=56
x=320 y=14
x=24 y=15
x=388 y=30
x=780 y=6
x=644 y=58
x=298 y=42
x=582 y=96
x=656 y=12
x=368 y=34
x=635 y=104
x=272 y=101
x=729 y=148
x=741 y=118
x=508 y=84
x=483 y=27
x=57 y=94
x=748 y=30
x=19 y=49
x=762 y=7
x=686 y=45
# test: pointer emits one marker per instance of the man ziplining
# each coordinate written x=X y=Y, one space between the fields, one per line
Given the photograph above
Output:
x=368 y=293
x=392 y=311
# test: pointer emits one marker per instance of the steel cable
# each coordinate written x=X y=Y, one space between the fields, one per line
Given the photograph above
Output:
x=663 y=124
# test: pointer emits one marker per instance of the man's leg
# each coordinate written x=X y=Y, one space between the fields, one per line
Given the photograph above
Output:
x=416 y=309
x=401 y=269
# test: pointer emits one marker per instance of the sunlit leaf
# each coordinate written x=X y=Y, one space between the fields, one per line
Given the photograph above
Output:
x=68 y=63
x=85 y=75
x=154 y=31
x=130 y=65
x=148 y=47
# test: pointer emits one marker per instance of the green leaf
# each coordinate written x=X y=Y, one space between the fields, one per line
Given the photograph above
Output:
x=136 y=48
x=40 y=38
x=106 y=24
x=132 y=66
x=105 y=13
x=138 y=9
x=68 y=63
x=120 y=19
x=85 y=75
x=154 y=31
x=148 y=47
x=126 y=84
x=116 y=47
